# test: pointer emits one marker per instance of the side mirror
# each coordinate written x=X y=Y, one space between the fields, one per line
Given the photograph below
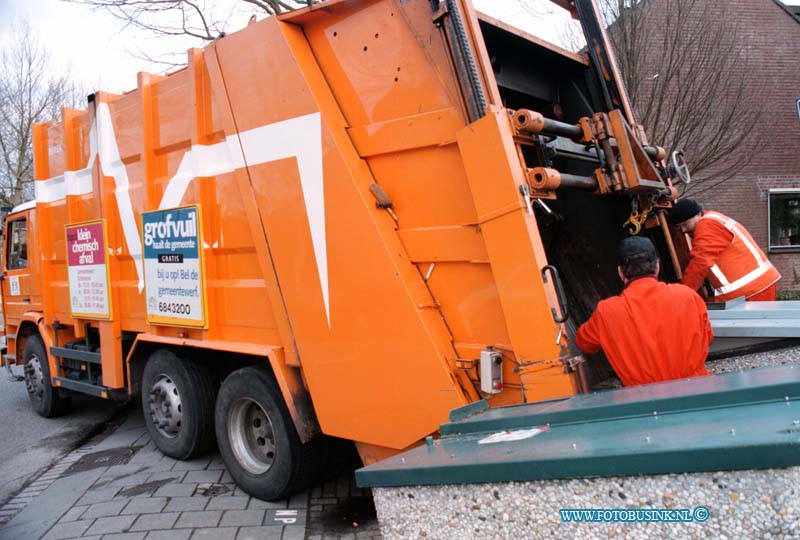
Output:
x=679 y=169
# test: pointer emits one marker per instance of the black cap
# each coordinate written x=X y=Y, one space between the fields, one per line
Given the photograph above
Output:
x=636 y=249
x=683 y=210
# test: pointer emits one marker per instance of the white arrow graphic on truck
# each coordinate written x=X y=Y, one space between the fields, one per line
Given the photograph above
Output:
x=281 y=140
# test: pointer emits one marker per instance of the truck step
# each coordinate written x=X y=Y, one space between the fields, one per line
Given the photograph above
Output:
x=86 y=356
x=83 y=387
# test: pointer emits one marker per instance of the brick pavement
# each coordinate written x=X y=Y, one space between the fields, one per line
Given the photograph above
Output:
x=154 y=497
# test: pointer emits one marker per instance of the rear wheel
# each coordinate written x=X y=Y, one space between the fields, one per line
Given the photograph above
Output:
x=178 y=402
x=258 y=440
x=44 y=397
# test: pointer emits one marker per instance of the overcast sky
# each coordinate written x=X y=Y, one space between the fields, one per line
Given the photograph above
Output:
x=95 y=49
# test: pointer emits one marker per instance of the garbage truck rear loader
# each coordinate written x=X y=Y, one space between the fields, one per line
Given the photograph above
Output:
x=344 y=221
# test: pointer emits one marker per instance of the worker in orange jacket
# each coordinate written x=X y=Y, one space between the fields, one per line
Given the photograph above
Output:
x=653 y=331
x=724 y=253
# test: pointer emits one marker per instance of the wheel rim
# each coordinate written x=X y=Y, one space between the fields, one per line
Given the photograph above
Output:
x=251 y=436
x=34 y=378
x=166 y=410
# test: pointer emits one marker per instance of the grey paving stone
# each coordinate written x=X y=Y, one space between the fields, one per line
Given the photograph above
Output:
x=166 y=460
x=216 y=464
x=58 y=499
x=202 y=476
x=121 y=437
x=175 y=477
x=125 y=536
x=260 y=533
x=342 y=486
x=106 y=509
x=206 y=518
x=325 y=500
x=175 y=534
x=98 y=495
x=227 y=503
x=72 y=529
x=258 y=504
x=186 y=504
x=150 y=456
x=300 y=500
x=118 y=471
x=154 y=522
x=192 y=464
x=150 y=505
x=294 y=533
x=143 y=439
x=126 y=480
x=175 y=490
x=109 y=525
x=329 y=489
x=208 y=489
x=242 y=518
x=226 y=478
x=228 y=533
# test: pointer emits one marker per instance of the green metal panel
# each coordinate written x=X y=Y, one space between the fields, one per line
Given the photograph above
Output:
x=732 y=421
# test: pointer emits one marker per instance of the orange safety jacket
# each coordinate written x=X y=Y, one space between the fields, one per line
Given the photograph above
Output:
x=652 y=332
x=725 y=253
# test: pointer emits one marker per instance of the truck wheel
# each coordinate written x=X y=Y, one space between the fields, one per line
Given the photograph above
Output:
x=178 y=402
x=258 y=440
x=44 y=397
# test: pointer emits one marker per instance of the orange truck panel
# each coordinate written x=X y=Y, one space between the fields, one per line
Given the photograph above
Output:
x=363 y=233
x=288 y=124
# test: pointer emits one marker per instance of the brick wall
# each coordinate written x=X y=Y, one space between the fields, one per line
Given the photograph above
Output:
x=772 y=39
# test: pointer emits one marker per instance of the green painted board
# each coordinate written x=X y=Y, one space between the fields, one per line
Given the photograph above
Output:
x=732 y=421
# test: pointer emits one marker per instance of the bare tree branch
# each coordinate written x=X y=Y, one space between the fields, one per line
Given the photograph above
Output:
x=29 y=94
x=181 y=17
x=203 y=20
x=687 y=72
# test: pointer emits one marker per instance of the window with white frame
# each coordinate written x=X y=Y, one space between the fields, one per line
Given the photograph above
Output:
x=17 y=245
x=784 y=220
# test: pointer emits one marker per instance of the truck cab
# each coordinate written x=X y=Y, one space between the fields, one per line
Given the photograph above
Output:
x=21 y=286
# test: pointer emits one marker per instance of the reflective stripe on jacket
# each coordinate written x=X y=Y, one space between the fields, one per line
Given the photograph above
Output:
x=725 y=253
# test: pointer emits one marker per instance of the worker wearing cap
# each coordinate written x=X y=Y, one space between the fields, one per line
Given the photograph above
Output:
x=653 y=331
x=724 y=253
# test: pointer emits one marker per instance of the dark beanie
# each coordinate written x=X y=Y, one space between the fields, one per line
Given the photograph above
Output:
x=635 y=249
x=684 y=209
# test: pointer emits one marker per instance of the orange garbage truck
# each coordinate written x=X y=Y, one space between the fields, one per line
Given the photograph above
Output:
x=344 y=221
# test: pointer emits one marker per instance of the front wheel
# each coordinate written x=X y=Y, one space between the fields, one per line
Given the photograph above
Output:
x=44 y=397
x=258 y=440
x=178 y=401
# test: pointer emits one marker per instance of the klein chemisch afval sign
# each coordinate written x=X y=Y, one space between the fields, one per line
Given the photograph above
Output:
x=88 y=270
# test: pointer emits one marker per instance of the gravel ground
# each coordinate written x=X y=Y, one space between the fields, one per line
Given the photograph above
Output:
x=761 y=504
x=790 y=355
x=742 y=504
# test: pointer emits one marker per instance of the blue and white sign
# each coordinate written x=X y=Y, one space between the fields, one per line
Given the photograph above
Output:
x=173 y=267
